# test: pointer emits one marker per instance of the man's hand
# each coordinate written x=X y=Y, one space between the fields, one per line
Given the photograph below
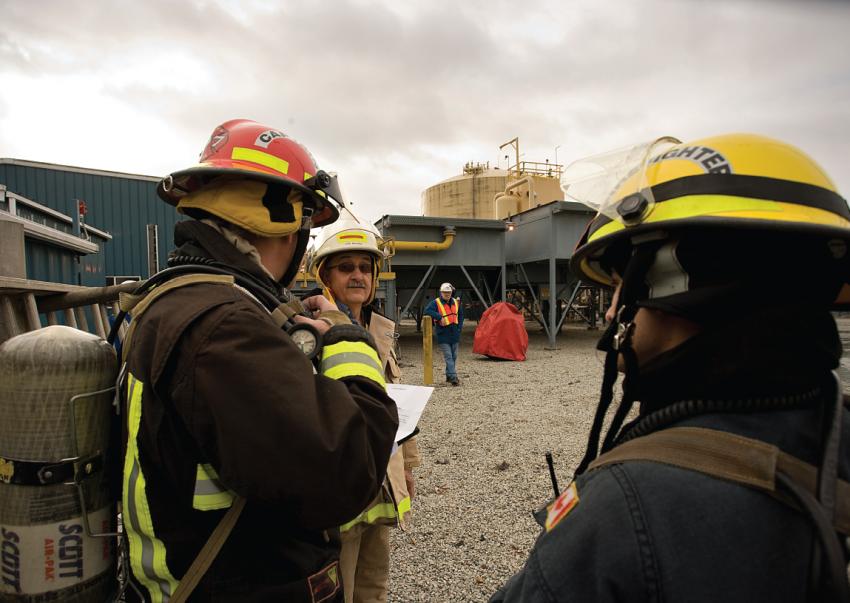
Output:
x=324 y=312
x=411 y=485
x=318 y=304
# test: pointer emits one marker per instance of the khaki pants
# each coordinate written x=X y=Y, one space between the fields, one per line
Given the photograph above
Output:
x=365 y=563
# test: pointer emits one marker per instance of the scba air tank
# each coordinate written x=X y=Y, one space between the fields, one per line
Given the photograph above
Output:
x=45 y=552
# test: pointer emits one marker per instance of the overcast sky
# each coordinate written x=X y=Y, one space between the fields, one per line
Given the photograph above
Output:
x=397 y=96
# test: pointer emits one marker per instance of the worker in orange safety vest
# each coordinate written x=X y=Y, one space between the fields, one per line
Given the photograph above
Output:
x=448 y=319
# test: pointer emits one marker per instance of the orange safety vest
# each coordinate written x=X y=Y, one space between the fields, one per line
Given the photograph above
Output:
x=448 y=314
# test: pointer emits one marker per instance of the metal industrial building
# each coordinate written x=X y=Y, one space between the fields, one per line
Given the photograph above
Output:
x=85 y=226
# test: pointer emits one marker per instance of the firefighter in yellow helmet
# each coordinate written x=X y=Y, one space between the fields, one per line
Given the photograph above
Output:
x=225 y=415
x=346 y=263
x=730 y=484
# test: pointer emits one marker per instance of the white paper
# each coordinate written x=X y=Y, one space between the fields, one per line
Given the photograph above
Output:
x=411 y=401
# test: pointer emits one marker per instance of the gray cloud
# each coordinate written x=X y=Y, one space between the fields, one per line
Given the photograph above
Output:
x=397 y=96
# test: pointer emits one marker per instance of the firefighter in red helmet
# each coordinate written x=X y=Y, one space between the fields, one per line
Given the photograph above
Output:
x=225 y=415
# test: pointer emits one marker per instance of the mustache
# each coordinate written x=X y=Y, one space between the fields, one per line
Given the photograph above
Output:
x=356 y=285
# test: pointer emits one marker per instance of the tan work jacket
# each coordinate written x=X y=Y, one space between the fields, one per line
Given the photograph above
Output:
x=392 y=504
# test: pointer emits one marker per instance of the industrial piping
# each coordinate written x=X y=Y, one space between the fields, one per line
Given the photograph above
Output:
x=506 y=194
x=448 y=239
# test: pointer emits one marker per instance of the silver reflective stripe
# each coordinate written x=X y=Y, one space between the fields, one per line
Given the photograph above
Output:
x=210 y=494
x=147 y=545
x=333 y=360
x=208 y=486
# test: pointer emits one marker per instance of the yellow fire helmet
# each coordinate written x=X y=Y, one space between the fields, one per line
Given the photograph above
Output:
x=347 y=235
x=724 y=189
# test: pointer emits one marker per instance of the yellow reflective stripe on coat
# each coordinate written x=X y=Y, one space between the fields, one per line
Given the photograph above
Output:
x=147 y=552
x=265 y=159
x=377 y=512
x=352 y=359
x=210 y=493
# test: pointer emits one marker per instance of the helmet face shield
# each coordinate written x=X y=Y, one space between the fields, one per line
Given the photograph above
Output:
x=615 y=184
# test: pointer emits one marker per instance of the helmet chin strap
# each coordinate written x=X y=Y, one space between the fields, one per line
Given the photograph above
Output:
x=616 y=341
x=300 y=250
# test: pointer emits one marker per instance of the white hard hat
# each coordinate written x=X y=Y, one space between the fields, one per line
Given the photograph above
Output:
x=347 y=235
x=446 y=287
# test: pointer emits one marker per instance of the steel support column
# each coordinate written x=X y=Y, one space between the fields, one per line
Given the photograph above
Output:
x=541 y=319
x=570 y=304
x=391 y=301
x=553 y=285
x=424 y=280
x=504 y=278
x=553 y=305
x=474 y=288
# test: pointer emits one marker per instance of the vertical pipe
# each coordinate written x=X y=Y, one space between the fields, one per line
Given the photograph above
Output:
x=427 y=352
x=82 y=321
x=392 y=302
x=504 y=280
x=553 y=300
x=12 y=326
x=97 y=321
x=553 y=285
x=33 y=319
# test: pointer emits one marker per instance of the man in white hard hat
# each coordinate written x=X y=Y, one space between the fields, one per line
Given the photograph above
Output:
x=448 y=319
x=346 y=263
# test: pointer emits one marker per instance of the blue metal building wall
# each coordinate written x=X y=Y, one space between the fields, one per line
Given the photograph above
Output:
x=120 y=205
x=47 y=262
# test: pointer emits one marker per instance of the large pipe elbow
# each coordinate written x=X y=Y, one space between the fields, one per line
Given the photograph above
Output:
x=448 y=239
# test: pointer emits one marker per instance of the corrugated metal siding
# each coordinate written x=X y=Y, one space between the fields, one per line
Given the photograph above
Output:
x=121 y=206
x=49 y=263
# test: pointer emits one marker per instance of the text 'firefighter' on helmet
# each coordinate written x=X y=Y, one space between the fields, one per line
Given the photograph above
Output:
x=347 y=235
x=257 y=178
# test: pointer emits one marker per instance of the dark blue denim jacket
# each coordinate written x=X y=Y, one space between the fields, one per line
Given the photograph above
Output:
x=644 y=531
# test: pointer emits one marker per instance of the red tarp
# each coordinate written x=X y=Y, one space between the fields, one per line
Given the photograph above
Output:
x=501 y=333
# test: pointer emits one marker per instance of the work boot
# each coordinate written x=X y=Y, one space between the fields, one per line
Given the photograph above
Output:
x=455 y=381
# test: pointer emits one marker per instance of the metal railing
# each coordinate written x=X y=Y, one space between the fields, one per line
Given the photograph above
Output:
x=26 y=305
x=536 y=168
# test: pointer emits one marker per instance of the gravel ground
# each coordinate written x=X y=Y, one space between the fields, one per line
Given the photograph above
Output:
x=484 y=470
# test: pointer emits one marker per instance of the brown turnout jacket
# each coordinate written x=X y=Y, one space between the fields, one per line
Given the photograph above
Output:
x=228 y=401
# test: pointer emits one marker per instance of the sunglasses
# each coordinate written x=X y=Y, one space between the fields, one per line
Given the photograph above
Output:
x=348 y=267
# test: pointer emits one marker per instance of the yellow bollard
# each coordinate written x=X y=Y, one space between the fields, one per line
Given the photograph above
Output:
x=427 y=352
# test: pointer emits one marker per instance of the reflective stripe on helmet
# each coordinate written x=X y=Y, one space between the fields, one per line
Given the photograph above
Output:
x=210 y=493
x=746 y=188
x=352 y=359
x=261 y=158
x=722 y=206
x=147 y=552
